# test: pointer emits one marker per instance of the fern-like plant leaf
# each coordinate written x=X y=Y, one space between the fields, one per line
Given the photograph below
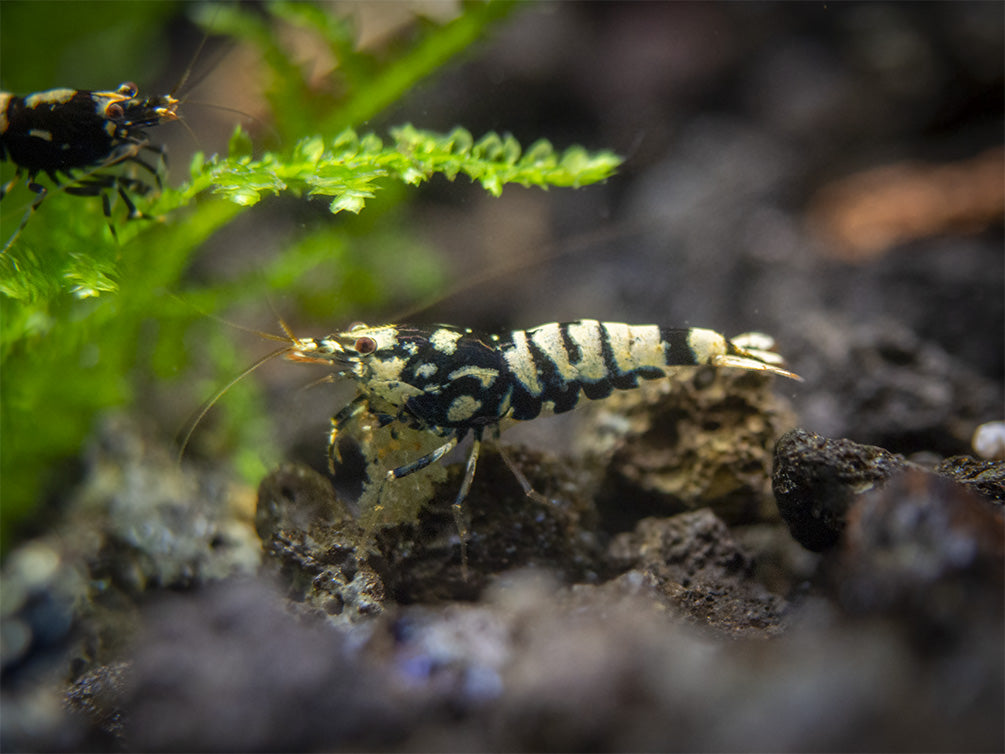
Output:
x=349 y=169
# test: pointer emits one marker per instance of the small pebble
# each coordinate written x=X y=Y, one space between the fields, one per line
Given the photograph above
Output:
x=989 y=441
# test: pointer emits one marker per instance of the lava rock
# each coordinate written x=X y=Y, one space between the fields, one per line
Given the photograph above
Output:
x=333 y=565
x=506 y=529
x=984 y=477
x=816 y=479
x=311 y=540
x=696 y=567
x=97 y=696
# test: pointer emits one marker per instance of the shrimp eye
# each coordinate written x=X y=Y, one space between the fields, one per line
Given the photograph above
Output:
x=114 y=111
x=365 y=345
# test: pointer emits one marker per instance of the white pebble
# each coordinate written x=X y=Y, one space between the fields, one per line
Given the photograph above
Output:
x=989 y=441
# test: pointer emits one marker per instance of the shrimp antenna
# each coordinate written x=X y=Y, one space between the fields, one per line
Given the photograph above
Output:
x=551 y=252
x=195 y=139
x=282 y=322
x=193 y=82
x=224 y=321
x=289 y=339
x=191 y=65
x=233 y=110
x=221 y=392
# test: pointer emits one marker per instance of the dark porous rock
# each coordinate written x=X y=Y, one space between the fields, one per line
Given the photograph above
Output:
x=310 y=537
x=985 y=477
x=697 y=567
x=160 y=524
x=97 y=696
x=816 y=479
x=506 y=529
x=927 y=549
x=334 y=567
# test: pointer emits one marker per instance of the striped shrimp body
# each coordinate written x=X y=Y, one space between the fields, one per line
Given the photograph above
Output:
x=451 y=382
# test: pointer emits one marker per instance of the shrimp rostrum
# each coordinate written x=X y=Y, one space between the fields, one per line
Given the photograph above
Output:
x=452 y=382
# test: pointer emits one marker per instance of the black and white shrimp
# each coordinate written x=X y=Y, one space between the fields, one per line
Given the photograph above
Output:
x=78 y=134
x=448 y=382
